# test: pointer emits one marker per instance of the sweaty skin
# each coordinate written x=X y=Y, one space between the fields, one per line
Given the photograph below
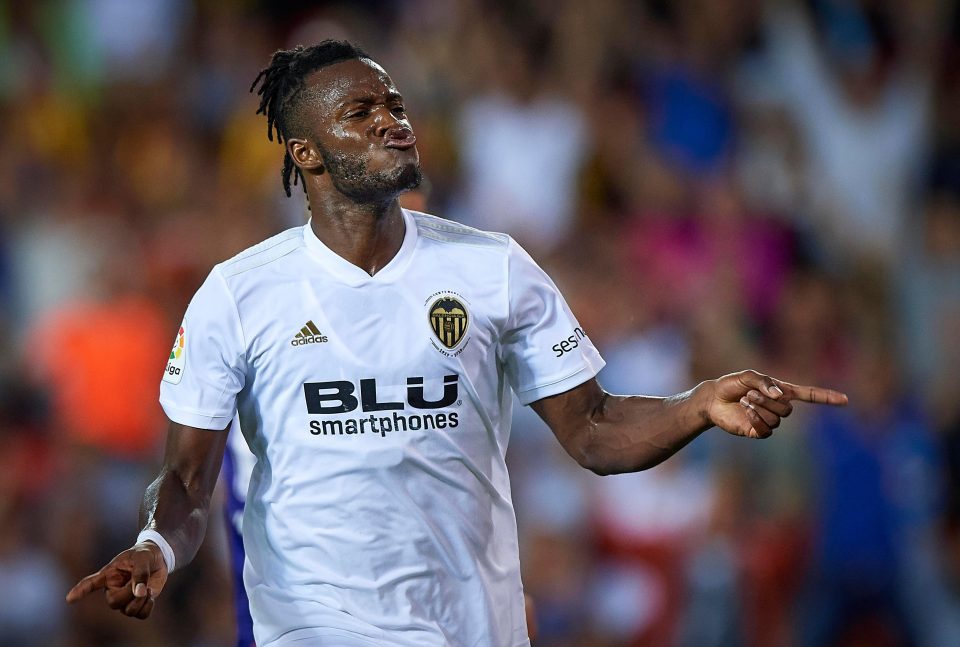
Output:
x=359 y=114
x=358 y=157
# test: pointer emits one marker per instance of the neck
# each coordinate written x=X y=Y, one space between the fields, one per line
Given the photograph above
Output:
x=368 y=235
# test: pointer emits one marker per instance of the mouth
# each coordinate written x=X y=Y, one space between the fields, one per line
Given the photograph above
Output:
x=402 y=139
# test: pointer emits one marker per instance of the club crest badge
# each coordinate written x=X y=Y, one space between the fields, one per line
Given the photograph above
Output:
x=449 y=319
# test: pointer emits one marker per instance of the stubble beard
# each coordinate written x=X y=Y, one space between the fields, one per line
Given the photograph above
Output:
x=350 y=177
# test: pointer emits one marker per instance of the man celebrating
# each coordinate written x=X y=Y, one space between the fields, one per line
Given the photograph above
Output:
x=370 y=355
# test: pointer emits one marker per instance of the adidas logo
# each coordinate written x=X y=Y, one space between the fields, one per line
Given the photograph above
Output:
x=309 y=334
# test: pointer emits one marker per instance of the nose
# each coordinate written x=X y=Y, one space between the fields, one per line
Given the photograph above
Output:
x=385 y=121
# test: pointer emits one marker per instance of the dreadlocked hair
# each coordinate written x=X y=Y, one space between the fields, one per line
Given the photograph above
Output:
x=282 y=89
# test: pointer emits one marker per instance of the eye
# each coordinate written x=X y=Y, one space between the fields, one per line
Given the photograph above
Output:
x=398 y=110
x=358 y=114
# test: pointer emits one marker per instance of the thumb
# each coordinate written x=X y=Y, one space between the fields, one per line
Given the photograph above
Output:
x=140 y=574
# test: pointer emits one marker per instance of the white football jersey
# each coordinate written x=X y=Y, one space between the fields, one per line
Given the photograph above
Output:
x=379 y=409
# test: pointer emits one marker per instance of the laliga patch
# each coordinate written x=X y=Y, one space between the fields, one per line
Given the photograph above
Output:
x=177 y=360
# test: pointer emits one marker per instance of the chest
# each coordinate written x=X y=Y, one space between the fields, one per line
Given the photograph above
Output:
x=337 y=369
x=393 y=335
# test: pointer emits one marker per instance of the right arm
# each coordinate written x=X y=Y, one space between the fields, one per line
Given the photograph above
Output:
x=176 y=505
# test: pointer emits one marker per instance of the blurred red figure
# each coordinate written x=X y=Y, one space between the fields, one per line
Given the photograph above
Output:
x=99 y=362
x=95 y=354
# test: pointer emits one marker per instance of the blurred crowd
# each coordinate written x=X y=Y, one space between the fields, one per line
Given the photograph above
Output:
x=714 y=185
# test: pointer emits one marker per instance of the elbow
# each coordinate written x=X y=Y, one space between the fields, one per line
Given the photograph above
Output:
x=602 y=462
x=590 y=457
x=601 y=470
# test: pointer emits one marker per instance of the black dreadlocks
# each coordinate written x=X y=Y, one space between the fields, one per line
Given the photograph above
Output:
x=281 y=92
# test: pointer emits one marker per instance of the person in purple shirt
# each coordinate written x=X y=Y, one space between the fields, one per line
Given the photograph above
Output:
x=238 y=464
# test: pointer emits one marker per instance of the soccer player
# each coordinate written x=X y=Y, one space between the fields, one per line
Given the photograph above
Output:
x=370 y=356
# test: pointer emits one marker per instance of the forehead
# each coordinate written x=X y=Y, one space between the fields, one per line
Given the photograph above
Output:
x=350 y=80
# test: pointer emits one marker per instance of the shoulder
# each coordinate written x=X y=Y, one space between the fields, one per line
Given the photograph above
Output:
x=447 y=231
x=264 y=253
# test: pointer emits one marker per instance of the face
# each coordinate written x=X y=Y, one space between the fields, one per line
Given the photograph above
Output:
x=360 y=132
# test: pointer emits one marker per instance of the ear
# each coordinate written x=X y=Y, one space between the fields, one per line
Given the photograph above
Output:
x=305 y=155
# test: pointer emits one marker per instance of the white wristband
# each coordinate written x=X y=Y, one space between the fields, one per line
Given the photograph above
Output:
x=165 y=549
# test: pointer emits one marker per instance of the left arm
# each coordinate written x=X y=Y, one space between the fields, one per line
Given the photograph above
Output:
x=612 y=434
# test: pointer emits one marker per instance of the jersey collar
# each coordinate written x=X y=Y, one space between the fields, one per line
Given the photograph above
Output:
x=350 y=273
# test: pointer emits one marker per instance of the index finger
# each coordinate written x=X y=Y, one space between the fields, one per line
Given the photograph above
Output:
x=87 y=585
x=814 y=394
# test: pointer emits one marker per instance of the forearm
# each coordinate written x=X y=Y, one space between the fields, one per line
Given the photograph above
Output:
x=177 y=503
x=177 y=508
x=633 y=433
x=611 y=434
x=174 y=511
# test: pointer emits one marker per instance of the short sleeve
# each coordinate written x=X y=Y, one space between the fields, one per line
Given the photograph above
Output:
x=206 y=367
x=544 y=349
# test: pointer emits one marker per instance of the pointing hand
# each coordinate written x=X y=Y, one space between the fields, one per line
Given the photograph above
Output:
x=751 y=404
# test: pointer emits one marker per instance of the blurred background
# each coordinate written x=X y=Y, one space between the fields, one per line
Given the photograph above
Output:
x=714 y=184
